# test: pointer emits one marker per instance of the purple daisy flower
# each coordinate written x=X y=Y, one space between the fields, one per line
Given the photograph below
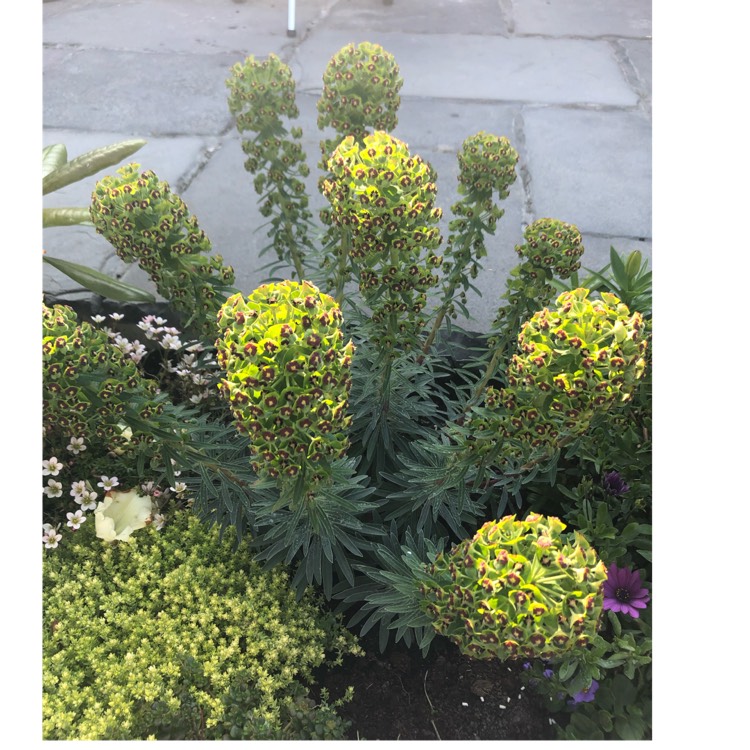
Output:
x=586 y=695
x=614 y=484
x=624 y=592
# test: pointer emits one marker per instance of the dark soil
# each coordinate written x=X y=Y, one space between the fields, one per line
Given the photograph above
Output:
x=400 y=695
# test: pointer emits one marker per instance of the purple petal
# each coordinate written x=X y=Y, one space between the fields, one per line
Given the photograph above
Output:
x=638 y=603
x=641 y=594
x=632 y=612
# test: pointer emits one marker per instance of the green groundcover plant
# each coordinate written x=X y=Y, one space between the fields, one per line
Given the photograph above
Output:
x=179 y=635
x=338 y=422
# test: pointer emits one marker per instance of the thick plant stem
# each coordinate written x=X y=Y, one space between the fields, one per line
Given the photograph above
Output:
x=296 y=258
x=497 y=357
x=341 y=271
x=455 y=277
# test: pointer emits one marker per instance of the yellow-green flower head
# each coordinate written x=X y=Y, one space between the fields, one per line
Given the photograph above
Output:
x=487 y=165
x=120 y=514
x=87 y=383
x=145 y=221
x=360 y=93
x=552 y=245
x=260 y=92
x=287 y=375
x=517 y=589
x=581 y=357
x=385 y=197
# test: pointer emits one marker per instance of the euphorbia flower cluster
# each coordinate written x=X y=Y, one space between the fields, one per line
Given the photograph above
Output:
x=384 y=197
x=287 y=376
x=582 y=357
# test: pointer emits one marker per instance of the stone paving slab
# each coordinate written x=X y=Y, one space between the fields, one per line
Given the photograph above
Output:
x=420 y=17
x=144 y=95
x=592 y=169
x=187 y=26
x=444 y=125
x=581 y=18
x=456 y=66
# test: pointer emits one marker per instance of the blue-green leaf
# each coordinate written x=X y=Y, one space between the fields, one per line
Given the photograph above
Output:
x=100 y=283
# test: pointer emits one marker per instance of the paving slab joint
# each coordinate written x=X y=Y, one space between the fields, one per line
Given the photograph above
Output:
x=506 y=13
x=519 y=144
x=630 y=73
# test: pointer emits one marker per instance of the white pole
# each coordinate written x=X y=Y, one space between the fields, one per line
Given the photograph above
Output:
x=290 y=30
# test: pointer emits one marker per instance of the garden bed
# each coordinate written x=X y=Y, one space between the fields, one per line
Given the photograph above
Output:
x=400 y=695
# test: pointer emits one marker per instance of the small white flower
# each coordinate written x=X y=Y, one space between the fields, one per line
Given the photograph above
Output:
x=138 y=353
x=116 y=316
x=170 y=341
x=51 y=538
x=98 y=318
x=75 y=519
x=87 y=500
x=179 y=487
x=76 y=445
x=159 y=321
x=47 y=527
x=174 y=463
x=53 y=488
x=147 y=487
x=108 y=483
x=52 y=467
x=159 y=521
x=197 y=398
x=77 y=489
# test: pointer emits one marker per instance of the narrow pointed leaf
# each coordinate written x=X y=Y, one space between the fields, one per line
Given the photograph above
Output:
x=65 y=217
x=89 y=164
x=53 y=157
x=100 y=283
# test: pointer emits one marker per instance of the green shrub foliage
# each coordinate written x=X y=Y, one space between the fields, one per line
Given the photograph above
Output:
x=176 y=635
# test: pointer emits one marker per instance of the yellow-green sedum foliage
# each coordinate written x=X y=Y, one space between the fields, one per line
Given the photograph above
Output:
x=158 y=638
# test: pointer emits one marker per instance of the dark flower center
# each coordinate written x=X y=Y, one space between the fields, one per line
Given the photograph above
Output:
x=623 y=595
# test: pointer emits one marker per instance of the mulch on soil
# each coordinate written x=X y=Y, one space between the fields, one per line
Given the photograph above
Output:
x=401 y=695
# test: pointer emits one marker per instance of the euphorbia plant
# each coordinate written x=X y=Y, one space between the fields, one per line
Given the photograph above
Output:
x=384 y=474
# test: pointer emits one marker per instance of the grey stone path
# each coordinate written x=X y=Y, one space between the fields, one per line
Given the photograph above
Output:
x=567 y=81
